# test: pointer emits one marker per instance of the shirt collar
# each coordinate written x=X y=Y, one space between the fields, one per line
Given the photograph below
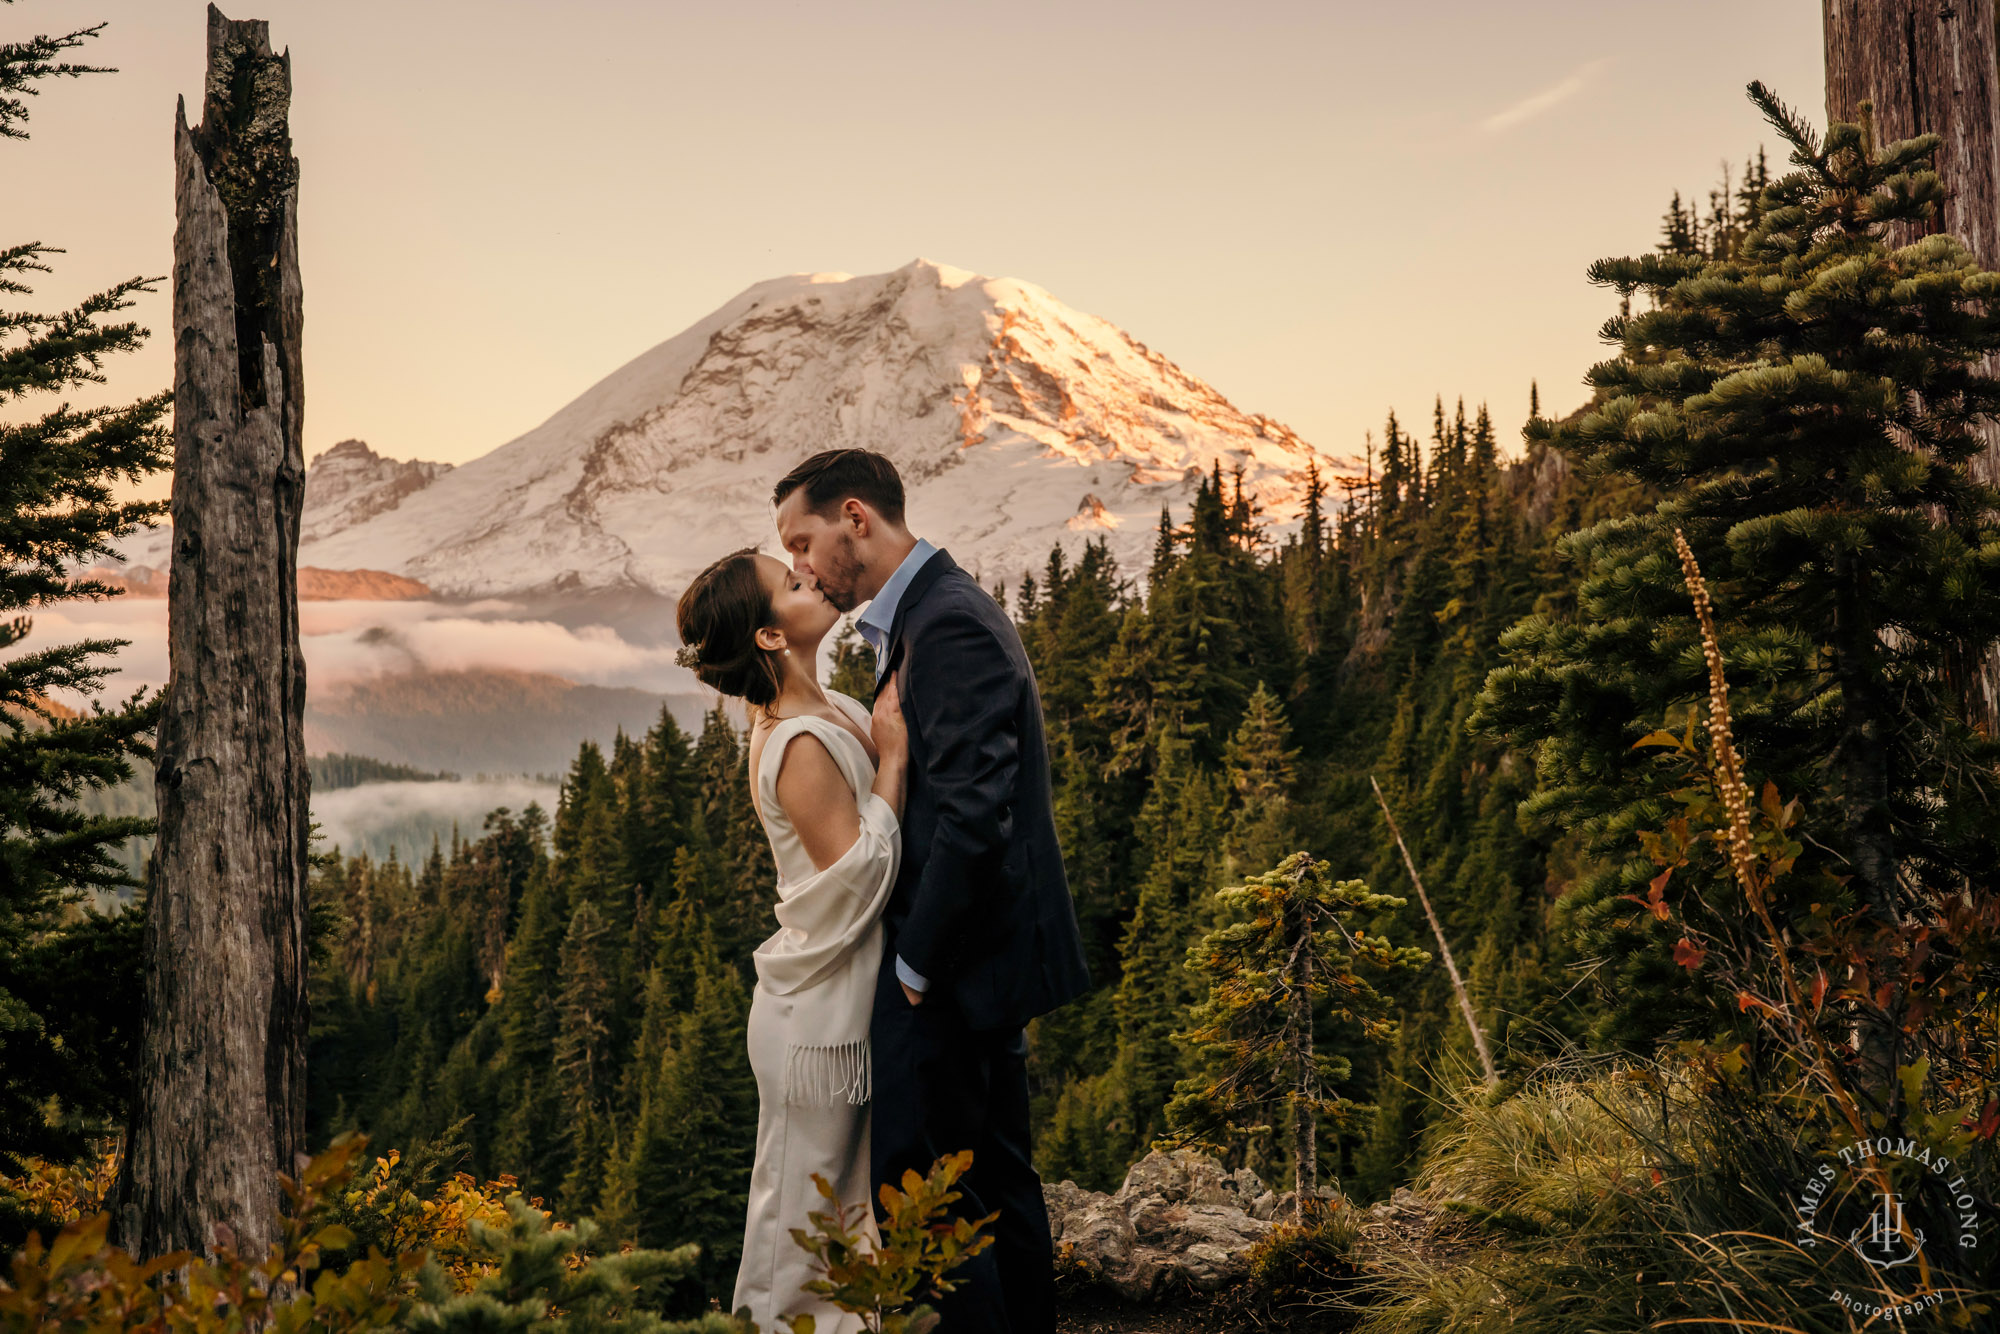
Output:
x=880 y=618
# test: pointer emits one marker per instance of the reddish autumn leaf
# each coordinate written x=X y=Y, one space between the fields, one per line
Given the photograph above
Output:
x=1654 y=906
x=1989 y=1120
x=1658 y=1176
x=1688 y=954
x=1819 y=992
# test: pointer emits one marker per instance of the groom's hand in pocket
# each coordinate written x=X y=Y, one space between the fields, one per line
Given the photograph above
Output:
x=911 y=994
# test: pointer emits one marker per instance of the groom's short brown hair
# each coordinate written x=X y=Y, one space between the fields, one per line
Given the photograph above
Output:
x=834 y=475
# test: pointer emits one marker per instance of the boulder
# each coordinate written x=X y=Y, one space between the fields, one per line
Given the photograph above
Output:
x=1178 y=1223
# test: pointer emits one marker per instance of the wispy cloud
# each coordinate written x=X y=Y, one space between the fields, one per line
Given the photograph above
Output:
x=345 y=641
x=1535 y=104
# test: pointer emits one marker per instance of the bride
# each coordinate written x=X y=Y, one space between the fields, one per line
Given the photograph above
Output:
x=827 y=782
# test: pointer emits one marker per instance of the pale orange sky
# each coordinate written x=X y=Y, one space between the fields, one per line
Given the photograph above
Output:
x=1324 y=209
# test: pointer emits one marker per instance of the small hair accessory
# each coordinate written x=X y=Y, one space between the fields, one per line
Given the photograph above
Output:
x=689 y=655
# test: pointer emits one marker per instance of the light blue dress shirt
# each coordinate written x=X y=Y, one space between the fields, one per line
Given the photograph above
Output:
x=875 y=625
x=880 y=618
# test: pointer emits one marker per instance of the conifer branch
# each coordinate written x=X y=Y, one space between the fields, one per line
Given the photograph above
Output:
x=21 y=63
x=1805 y=141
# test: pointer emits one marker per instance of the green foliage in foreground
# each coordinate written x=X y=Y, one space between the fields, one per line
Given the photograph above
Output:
x=462 y=1260
x=919 y=1248
x=524 y=1274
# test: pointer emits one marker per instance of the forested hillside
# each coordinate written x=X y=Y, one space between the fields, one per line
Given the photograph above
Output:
x=1208 y=714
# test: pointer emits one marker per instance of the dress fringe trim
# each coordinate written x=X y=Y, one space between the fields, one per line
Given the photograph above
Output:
x=828 y=1076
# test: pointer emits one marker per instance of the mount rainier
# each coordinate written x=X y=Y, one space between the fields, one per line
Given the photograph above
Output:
x=1016 y=421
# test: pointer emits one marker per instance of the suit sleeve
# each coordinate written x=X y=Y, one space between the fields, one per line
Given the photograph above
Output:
x=961 y=692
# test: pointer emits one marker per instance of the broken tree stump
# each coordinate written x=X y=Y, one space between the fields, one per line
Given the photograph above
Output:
x=220 y=1106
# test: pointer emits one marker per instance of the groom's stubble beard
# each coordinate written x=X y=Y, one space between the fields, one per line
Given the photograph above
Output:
x=839 y=581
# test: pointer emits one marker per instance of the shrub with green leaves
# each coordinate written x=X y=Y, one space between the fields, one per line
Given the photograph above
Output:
x=882 y=1280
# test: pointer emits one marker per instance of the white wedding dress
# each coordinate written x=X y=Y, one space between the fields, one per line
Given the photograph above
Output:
x=808 y=1031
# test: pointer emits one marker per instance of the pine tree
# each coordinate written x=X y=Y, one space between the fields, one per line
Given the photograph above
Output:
x=1680 y=230
x=59 y=474
x=741 y=884
x=1286 y=952
x=1261 y=770
x=695 y=1137
x=583 y=1051
x=1180 y=828
x=1807 y=408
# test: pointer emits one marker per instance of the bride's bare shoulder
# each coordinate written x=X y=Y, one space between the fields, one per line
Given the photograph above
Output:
x=810 y=784
x=802 y=760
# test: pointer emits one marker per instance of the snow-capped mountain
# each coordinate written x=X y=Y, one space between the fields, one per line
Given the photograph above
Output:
x=1016 y=421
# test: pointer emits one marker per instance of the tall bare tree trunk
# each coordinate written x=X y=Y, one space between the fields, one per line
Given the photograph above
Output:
x=1305 y=1123
x=1458 y=986
x=220 y=1109
x=1929 y=66
x=1301 y=1053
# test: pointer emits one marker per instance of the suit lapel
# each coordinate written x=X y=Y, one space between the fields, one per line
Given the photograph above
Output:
x=921 y=583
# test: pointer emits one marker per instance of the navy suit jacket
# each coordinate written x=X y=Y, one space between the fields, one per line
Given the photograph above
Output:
x=981 y=905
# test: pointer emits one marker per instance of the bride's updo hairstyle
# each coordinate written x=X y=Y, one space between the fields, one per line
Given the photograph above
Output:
x=718 y=618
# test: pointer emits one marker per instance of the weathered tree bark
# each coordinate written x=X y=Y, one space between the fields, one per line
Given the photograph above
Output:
x=220 y=1109
x=1444 y=946
x=1929 y=66
x=1305 y=1123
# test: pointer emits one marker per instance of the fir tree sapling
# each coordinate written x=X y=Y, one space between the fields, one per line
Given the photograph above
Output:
x=1282 y=979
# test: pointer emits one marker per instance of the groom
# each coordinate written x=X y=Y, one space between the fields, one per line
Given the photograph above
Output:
x=981 y=933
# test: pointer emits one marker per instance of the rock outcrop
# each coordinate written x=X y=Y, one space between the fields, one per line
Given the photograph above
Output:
x=350 y=483
x=1178 y=1224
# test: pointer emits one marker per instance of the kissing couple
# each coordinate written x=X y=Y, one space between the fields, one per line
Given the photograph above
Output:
x=923 y=913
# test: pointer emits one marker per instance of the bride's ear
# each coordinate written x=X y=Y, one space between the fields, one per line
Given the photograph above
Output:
x=771 y=639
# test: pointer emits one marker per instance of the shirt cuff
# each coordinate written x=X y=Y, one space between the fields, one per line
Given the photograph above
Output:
x=910 y=977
